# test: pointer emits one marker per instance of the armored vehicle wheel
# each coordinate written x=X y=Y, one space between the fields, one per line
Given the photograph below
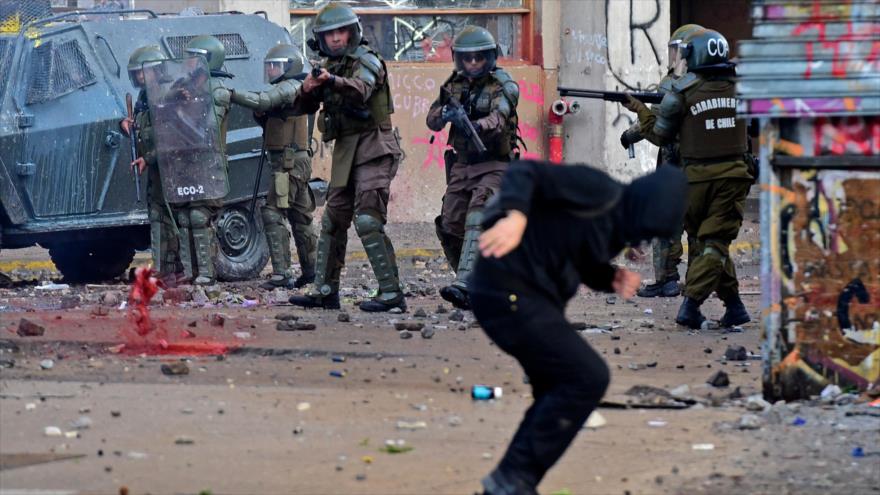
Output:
x=91 y=261
x=242 y=249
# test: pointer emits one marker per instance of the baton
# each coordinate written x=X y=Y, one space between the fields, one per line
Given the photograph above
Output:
x=257 y=181
x=132 y=135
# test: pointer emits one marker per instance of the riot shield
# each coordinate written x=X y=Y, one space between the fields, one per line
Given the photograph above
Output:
x=186 y=131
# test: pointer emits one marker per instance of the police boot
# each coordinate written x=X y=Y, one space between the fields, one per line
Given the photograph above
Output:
x=305 y=240
x=734 y=312
x=498 y=483
x=457 y=293
x=184 y=231
x=278 y=240
x=204 y=244
x=667 y=288
x=451 y=244
x=689 y=314
x=324 y=291
x=380 y=252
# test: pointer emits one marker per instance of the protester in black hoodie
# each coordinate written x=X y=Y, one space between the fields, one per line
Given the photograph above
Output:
x=550 y=229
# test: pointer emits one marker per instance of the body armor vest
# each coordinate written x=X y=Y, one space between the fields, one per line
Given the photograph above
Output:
x=710 y=129
x=286 y=129
x=476 y=98
x=340 y=117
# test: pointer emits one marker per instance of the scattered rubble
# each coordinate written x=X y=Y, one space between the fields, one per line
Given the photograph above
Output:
x=173 y=369
x=27 y=328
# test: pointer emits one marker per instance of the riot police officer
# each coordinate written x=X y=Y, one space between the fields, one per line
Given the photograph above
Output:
x=701 y=110
x=163 y=239
x=195 y=220
x=355 y=100
x=666 y=252
x=486 y=96
x=286 y=138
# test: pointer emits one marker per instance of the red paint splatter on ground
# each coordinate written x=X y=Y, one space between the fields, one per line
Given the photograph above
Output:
x=143 y=289
x=151 y=337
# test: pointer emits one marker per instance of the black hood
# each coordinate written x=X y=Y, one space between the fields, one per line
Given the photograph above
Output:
x=653 y=206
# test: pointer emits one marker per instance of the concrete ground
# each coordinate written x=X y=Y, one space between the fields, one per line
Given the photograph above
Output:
x=312 y=411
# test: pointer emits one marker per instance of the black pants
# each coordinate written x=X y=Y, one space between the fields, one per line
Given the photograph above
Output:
x=568 y=377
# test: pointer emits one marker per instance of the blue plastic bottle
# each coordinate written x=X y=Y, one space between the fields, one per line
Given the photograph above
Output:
x=482 y=392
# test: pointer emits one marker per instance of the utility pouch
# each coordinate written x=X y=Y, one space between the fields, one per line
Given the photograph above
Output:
x=289 y=158
x=282 y=190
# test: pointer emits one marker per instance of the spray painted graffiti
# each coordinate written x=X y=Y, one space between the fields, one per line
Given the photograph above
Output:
x=436 y=147
x=840 y=45
x=638 y=30
x=846 y=136
x=830 y=259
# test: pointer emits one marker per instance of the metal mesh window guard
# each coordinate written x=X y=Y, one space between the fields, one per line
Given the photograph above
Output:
x=233 y=42
x=56 y=69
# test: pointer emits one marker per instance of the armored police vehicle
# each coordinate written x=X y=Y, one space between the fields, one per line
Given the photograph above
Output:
x=65 y=180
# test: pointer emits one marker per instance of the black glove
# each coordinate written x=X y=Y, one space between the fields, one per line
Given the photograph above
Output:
x=628 y=138
x=452 y=114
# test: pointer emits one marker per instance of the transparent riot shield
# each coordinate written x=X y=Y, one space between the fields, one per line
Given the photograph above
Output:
x=185 y=130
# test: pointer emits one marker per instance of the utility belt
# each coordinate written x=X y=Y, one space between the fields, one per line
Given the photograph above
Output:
x=294 y=148
x=714 y=160
x=476 y=157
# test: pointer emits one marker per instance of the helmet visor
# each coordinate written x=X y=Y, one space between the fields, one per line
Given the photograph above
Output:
x=275 y=68
x=136 y=76
x=475 y=64
x=677 y=61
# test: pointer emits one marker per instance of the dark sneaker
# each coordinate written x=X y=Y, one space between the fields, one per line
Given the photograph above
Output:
x=303 y=280
x=326 y=302
x=689 y=314
x=457 y=296
x=734 y=313
x=377 y=305
x=277 y=281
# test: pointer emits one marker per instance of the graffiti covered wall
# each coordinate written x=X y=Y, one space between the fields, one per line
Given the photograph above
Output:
x=829 y=260
x=615 y=45
x=417 y=190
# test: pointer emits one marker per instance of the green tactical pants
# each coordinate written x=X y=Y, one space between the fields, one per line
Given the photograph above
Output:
x=290 y=198
x=666 y=257
x=712 y=221
x=164 y=245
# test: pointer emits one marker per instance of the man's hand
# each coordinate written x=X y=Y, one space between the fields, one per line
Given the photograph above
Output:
x=505 y=235
x=138 y=165
x=312 y=83
x=125 y=125
x=633 y=105
x=626 y=283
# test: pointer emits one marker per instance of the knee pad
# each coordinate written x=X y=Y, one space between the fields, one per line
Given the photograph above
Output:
x=327 y=225
x=366 y=224
x=271 y=216
x=200 y=218
x=183 y=220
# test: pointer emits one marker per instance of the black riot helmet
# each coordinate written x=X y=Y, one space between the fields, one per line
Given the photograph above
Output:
x=334 y=16
x=704 y=50
x=474 y=43
x=284 y=62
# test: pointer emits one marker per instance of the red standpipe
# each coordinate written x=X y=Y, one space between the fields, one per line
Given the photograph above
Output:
x=558 y=110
